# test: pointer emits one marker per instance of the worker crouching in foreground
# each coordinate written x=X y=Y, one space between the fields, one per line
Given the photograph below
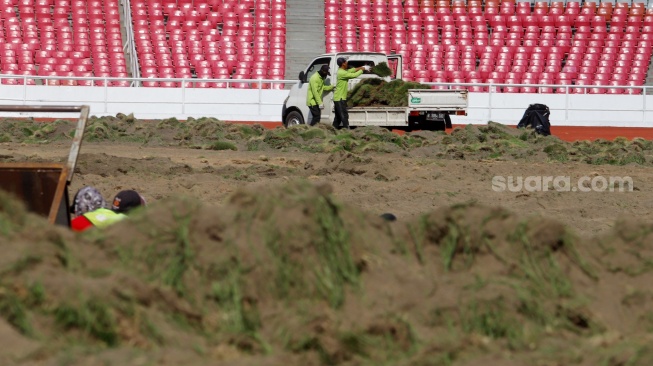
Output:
x=101 y=217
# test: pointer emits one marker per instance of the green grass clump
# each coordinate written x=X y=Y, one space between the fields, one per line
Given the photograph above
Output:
x=282 y=138
x=14 y=310
x=240 y=314
x=91 y=317
x=337 y=267
x=557 y=152
x=204 y=127
x=642 y=143
x=222 y=145
x=313 y=133
x=98 y=131
x=491 y=319
x=254 y=144
x=251 y=131
x=632 y=157
x=168 y=122
x=381 y=69
x=365 y=93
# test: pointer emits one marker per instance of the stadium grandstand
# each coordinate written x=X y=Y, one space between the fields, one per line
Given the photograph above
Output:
x=167 y=39
x=503 y=41
x=470 y=44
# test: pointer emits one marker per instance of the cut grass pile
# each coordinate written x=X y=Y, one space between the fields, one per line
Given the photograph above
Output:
x=492 y=141
x=381 y=69
x=292 y=274
x=378 y=92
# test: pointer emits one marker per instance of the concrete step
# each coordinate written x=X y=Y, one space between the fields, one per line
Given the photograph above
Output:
x=304 y=34
x=308 y=21
x=302 y=44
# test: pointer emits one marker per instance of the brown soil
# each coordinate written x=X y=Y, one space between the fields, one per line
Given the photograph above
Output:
x=278 y=256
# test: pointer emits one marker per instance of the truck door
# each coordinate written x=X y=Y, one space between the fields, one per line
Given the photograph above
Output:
x=327 y=98
x=394 y=62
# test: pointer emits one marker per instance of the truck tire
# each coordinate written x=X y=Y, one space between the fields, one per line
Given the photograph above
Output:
x=293 y=118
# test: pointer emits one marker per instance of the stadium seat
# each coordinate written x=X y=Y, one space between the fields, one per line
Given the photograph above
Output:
x=251 y=31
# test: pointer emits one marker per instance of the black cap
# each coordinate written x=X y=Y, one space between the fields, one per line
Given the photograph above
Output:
x=325 y=70
x=126 y=201
x=341 y=60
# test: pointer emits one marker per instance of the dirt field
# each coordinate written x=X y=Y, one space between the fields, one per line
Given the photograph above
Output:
x=264 y=247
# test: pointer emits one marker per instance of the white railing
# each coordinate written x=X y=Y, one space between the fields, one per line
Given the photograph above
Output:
x=634 y=92
x=23 y=80
x=261 y=101
x=264 y=99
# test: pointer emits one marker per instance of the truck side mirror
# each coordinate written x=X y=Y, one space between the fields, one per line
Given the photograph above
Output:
x=302 y=76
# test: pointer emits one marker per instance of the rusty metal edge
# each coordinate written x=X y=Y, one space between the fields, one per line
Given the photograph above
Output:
x=31 y=165
x=77 y=142
x=62 y=186
x=68 y=170
x=79 y=130
x=41 y=108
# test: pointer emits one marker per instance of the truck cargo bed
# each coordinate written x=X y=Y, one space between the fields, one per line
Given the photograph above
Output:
x=432 y=99
x=378 y=116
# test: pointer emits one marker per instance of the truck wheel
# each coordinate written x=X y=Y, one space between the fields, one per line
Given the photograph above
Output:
x=293 y=118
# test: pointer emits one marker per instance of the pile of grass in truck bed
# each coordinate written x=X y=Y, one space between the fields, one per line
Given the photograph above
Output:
x=381 y=69
x=377 y=92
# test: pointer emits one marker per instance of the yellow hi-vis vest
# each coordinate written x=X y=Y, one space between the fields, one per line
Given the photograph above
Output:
x=103 y=217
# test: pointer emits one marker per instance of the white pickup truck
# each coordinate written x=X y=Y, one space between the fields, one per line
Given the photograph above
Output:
x=428 y=109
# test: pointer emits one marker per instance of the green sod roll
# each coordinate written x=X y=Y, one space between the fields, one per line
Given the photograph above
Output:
x=377 y=92
x=381 y=70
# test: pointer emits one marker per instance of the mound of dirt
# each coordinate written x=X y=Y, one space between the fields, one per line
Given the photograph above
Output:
x=290 y=275
x=493 y=141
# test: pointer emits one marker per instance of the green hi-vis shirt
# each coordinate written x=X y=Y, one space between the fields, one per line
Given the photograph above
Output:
x=103 y=217
x=341 y=83
x=315 y=89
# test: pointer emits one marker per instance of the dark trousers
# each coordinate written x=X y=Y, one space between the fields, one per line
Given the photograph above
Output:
x=316 y=113
x=341 y=119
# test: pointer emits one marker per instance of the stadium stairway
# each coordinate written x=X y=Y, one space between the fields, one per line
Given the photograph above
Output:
x=305 y=37
x=649 y=79
x=125 y=30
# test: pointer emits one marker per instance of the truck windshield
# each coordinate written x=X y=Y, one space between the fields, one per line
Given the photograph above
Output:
x=358 y=63
x=315 y=66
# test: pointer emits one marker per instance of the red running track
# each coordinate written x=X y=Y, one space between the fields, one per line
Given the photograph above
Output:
x=571 y=133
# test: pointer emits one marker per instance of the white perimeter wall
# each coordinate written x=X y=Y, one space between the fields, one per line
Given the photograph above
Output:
x=265 y=105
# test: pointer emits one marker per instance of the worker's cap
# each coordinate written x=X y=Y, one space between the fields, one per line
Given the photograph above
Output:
x=341 y=60
x=126 y=201
x=325 y=70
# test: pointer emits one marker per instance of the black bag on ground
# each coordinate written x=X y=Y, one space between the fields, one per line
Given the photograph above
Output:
x=537 y=117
